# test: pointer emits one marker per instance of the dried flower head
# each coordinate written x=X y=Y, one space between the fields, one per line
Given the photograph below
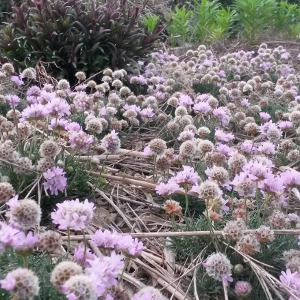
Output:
x=219 y=267
x=233 y=229
x=265 y=234
x=172 y=208
x=248 y=244
x=49 y=149
x=6 y=191
x=24 y=214
x=63 y=272
x=158 y=146
x=50 y=241
x=21 y=284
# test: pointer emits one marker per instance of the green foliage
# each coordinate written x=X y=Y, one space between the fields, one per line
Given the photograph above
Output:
x=41 y=264
x=224 y=22
x=254 y=16
x=204 y=19
x=76 y=35
x=151 y=22
x=179 y=24
x=287 y=19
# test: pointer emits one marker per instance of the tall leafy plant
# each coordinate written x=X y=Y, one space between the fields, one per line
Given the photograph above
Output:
x=71 y=35
x=204 y=19
x=151 y=22
x=224 y=23
x=254 y=16
x=287 y=19
x=179 y=25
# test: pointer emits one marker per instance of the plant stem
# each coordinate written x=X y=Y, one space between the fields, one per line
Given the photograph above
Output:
x=69 y=241
x=289 y=200
x=186 y=199
x=125 y=266
x=84 y=252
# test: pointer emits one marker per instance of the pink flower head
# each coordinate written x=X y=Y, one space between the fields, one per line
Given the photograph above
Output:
x=58 y=108
x=222 y=114
x=222 y=136
x=73 y=126
x=8 y=236
x=73 y=214
x=104 y=271
x=8 y=283
x=147 y=113
x=248 y=147
x=25 y=242
x=272 y=184
x=285 y=125
x=55 y=180
x=33 y=112
x=57 y=124
x=187 y=176
x=266 y=148
x=290 y=178
x=13 y=100
x=17 y=80
x=265 y=116
x=245 y=102
x=80 y=257
x=185 y=100
x=147 y=151
x=80 y=140
x=202 y=107
x=224 y=149
x=169 y=188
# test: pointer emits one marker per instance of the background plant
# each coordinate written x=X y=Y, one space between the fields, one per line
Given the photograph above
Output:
x=254 y=16
x=72 y=35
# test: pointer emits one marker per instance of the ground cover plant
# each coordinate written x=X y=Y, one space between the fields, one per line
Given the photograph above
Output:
x=177 y=181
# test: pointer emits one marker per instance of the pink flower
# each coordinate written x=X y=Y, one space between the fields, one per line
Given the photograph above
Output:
x=58 y=108
x=80 y=257
x=17 y=80
x=147 y=113
x=245 y=102
x=104 y=271
x=248 y=147
x=185 y=100
x=266 y=148
x=169 y=188
x=112 y=240
x=73 y=126
x=55 y=180
x=265 y=116
x=57 y=123
x=290 y=178
x=33 y=112
x=188 y=175
x=13 y=100
x=147 y=151
x=78 y=221
x=8 y=283
x=222 y=136
x=80 y=140
x=224 y=149
x=202 y=107
x=71 y=296
x=23 y=242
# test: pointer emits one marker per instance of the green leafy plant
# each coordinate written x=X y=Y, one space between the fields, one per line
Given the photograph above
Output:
x=151 y=22
x=204 y=19
x=254 y=16
x=76 y=35
x=179 y=25
x=287 y=19
x=224 y=22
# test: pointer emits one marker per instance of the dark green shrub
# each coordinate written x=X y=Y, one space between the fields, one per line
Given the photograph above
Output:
x=72 y=35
